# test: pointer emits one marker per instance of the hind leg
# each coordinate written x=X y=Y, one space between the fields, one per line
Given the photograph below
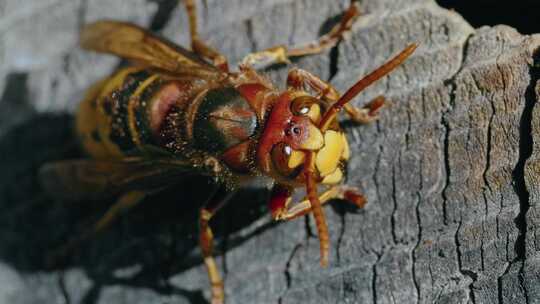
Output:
x=282 y=210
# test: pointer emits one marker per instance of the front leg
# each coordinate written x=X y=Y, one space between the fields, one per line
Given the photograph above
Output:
x=282 y=210
x=281 y=197
x=298 y=79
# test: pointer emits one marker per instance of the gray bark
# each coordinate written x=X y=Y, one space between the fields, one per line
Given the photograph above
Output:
x=450 y=170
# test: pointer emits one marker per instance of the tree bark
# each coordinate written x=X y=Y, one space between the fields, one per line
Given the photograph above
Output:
x=450 y=170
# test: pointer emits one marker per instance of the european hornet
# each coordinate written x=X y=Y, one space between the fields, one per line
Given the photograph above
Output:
x=176 y=113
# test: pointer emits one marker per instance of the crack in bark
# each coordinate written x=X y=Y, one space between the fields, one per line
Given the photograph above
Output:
x=287 y=272
x=446 y=126
x=489 y=147
x=446 y=144
x=500 y=296
x=394 y=206
x=446 y=157
x=525 y=151
x=522 y=283
x=63 y=289
x=380 y=149
x=413 y=256
x=374 y=278
x=487 y=167
x=465 y=272
x=419 y=235
x=408 y=132
x=474 y=276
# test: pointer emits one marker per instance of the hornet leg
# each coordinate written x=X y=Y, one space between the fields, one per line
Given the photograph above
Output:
x=206 y=242
x=299 y=79
x=279 y=205
x=281 y=54
x=281 y=198
x=197 y=45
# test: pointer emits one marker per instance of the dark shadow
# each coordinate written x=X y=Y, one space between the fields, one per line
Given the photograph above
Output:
x=159 y=236
x=329 y=23
x=522 y=15
x=165 y=8
x=14 y=100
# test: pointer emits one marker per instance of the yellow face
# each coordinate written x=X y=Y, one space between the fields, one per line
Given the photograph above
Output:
x=331 y=151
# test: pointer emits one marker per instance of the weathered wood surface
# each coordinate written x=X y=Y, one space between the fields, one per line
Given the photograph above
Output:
x=450 y=170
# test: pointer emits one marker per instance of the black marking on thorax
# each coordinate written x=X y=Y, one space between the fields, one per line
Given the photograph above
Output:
x=224 y=119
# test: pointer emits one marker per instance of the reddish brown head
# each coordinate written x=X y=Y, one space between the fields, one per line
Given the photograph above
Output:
x=287 y=131
x=296 y=126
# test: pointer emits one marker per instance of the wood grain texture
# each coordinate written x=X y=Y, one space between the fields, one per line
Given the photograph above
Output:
x=450 y=170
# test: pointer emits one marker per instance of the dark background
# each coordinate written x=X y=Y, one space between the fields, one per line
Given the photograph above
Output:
x=522 y=15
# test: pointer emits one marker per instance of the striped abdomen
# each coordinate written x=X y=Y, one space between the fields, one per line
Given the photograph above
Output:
x=135 y=109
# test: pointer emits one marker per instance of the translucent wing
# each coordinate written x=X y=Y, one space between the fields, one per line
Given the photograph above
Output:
x=88 y=179
x=140 y=46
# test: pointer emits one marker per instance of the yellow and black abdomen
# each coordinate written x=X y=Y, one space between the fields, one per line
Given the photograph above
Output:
x=111 y=122
x=135 y=109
